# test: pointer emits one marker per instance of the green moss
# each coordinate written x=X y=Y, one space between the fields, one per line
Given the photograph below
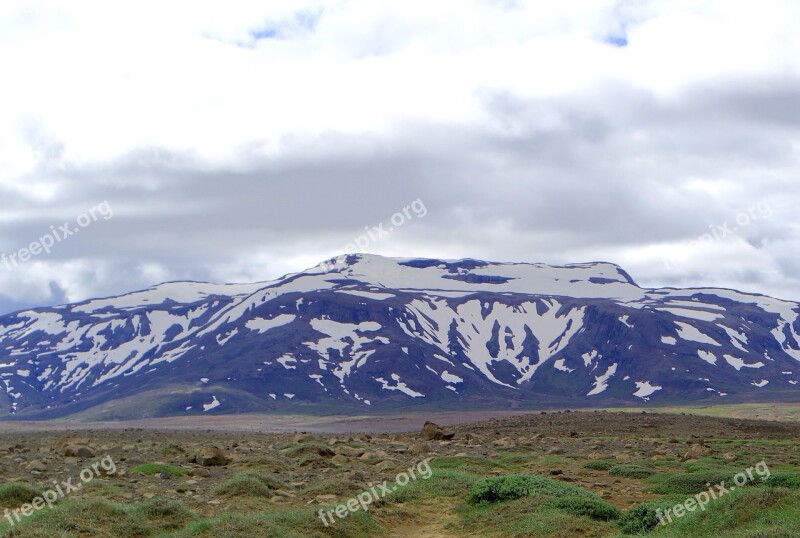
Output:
x=151 y=469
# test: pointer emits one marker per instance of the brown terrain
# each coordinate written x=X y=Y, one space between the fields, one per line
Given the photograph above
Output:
x=314 y=469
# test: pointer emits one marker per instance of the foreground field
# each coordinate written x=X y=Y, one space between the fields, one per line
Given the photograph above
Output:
x=557 y=474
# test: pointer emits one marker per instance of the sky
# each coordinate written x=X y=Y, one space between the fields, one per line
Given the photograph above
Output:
x=143 y=142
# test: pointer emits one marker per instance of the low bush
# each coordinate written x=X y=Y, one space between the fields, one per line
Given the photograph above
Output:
x=630 y=471
x=692 y=482
x=16 y=494
x=586 y=506
x=247 y=485
x=509 y=487
x=642 y=518
x=784 y=480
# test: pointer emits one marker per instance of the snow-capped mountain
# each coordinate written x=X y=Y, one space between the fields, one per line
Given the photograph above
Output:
x=370 y=333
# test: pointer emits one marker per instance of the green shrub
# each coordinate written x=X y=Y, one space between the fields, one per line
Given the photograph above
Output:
x=171 y=449
x=339 y=485
x=166 y=514
x=309 y=449
x=642 y=518
x=600 y=465
x=509 y=487
x=442 y=483
x=630 y=471
x=585 y=506
x=784 y=480
x=15 y=494
x=247 y=485
x=692 y=482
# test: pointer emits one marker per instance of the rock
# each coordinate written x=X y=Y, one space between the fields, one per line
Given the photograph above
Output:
x=73 y=447
x=433 y=432
x=201 y=472
x=63 y=442
x=37 y=466
x=338 y=459
x=303 y=437
x=211 y=457
x=351 y=452
x=78 y=451
x=419 y=448
x=384 y=465
x=696 y=451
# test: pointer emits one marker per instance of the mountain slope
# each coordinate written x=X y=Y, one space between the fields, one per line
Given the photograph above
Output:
x=375 y=333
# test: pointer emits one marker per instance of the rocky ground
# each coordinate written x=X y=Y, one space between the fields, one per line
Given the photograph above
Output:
x=213 y=473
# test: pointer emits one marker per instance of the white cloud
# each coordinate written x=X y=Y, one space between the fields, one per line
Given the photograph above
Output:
x=238 y=141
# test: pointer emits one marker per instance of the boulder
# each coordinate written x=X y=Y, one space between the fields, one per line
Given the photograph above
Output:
x=37 y=466
x=78 y=451
x=211 y=457
x=200 y=472
x=434 y=432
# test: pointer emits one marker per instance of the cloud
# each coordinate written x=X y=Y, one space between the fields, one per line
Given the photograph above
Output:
x=246 y=142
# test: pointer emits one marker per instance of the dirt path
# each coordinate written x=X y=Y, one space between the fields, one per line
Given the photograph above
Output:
x=429 y=522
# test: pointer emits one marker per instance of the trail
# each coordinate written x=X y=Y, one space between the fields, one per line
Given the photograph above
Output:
x=429 y=522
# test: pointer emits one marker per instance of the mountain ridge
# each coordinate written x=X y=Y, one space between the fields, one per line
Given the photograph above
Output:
x=367 y=333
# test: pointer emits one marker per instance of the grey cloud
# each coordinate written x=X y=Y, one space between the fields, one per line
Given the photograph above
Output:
x=607 y=168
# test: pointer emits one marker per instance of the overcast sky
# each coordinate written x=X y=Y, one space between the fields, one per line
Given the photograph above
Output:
x=237 y=141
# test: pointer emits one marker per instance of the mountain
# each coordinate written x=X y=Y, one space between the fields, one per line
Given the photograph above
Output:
x=365 y=333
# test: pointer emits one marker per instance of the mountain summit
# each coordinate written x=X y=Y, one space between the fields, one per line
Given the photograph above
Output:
x=365 y=333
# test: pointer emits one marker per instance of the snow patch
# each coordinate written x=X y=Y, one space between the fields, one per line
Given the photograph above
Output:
x=739 y=363
x=263 y=325
x=212 y=405
x=645 y=389
x=707 y=356
x=601 y=381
